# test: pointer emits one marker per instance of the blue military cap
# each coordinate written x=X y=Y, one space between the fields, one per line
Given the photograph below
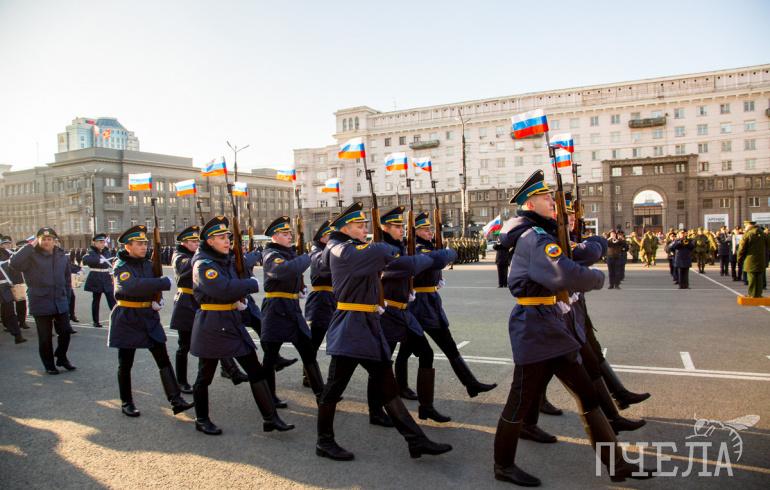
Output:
x=393 y=217
x=5 y=239
x=422 y=221
x=323 y=230
x=278 y=225
x=46 y=231
x=533 y=186
x=218 y=225
x=353 y=214
x=568 y=201
x=99 y=236
x=136 y=233
x=189 y=233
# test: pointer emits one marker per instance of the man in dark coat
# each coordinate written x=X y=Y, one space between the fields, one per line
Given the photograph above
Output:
x=7 y=308
x=99 y=280
x=185 y=306
x=683 y=249
x=502 y=261
x=21 y=300
x=320 y=304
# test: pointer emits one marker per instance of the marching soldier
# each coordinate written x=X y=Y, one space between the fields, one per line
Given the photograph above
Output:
x=99 y=280
x=185 y=306
x=218 y=330
x=7 y=276
x=320 y=304
x=683 y=248
x=47 y=274
x=634 y=246
x=701 y=250
x=753 y=254
x=135 y=320
x=502 y=261
x=20 y=293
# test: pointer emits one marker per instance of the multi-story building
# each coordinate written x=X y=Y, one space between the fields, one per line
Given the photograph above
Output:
x=87 y=190
x=103 y=132
x=685 y=150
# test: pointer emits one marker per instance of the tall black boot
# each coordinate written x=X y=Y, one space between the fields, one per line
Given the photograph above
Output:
x=619 y=392
x=547 y=407
x=202 y=421
x=598 y=429
x=472 y=385
x=173 y=393
x=314 y=378
x=230 y=370
x=270 y=379
x=419 y=443
x=181 y=372
x=618 y=422
x=377 y=415
x=506 y=441
x=326 y=446
x=281 y=363
x=126 y=397
x=426 y=378
x=402 y=377
x=264 y=399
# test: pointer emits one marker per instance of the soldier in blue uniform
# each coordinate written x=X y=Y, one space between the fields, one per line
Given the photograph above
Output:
x=99 y=280
x=135 y=321
x=75 y=268
x=320 y=304
x=185 y=306
x=282 y=319
x=355 y=335
x=218 y=330
x=47 y=274
x=428 y=310
x=543 y=337
x=7 y=281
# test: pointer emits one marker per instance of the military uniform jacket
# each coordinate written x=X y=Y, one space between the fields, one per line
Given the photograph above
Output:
x=320 y=305
x=585 y=254
x=252 y=316
x=282 y=318
x=355 y=268
x=753 y=251
x=48 y=279
x=682 y=252
x=185 y=306
x=99 y=278
x=540 y=268
x=7 y=276
x=427 y=307
x=218 y=334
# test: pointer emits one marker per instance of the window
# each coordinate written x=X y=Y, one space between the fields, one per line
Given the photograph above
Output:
x=703 y=147
x=708 y=203
x=617 y=171
x=751 y=164
x=680 y=186
x=636 y=116
x=657 y=134
x=704 y=166
x=679 y=149
x=680 y=204
x=594 y=120
x=387 y=141
x=596 y=155
x=595 y=138
x=358 y=187
x=518 y=161
x=484 y=179
x=615 y=137
x=636 y=152
x=727 y=165
x=753 y=201
x=596 y=173
x=750 y=125
x=402 y=140
x=727 y=146
x=703 y=129
x=748 y=106
x=658 y=169
x=615 y=154
x=132 y=199
x=750 y=144
x=724 y=202
x=344 y=125
x=636 y=137
x=416 y=138
x=449 y=135
x=594 y=207
x=680 y=168
x=617 y=190
x=679 y=131
x=615 y=119
x=724 y=108
x=725 y=128
x=618 y=207
x=679 y=113
x=657 y=151
x=656 y=114
x=356 y=122
x=482 y=133
x=484 y=163
x=574 y=123
x=702 y=111
x=636 y=170
x=501 y=163
x=450 y=151
x=500 y=131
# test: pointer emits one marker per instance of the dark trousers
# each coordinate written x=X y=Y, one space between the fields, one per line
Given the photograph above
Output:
x=672 y=269
x=614 y=268
x=443 y=339
x=724 y=262
x=303 y=344
x=318 y=332
x=46 y=324
x=183 y=343
x=417 y=345
x=126 y=362
x=341 y=370
x=96 y=303
x=72 y=304
x=733 y=266
x=10 y=320
x=684 y=277
x=502 y=275
x=207 y=367
x=21 y=311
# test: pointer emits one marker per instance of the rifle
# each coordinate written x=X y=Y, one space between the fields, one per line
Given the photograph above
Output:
x=411 y=239
x=376 y=229
x=437 y=214
x=562 y=221
x=237 y=246
x=577 y=205
x=200 y=212
x=300 y=241
x=250 y=229
x=157 y=265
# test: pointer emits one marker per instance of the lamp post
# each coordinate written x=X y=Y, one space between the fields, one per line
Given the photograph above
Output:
x=93 y=196
x=463 y=177
x=235 y=156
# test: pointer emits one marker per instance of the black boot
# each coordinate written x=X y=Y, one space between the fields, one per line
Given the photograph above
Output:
x=425 y=388
x=230 y=370
x=282 y=363
x=326 y=446
x=202 y=421
x=126 y=397
x=18 y=339
x=377 y=415
x=619 y=392
x=181 y=373
x=402 y=379
x=173 y=393
x=419 y=443
x=536 y=434
x=270 y=379
x=618 y=422
x=314 y=378
x=264 y=399
x=506 y=441
x=472 y=385
x=65 y=363
x=599 y=430
x=547 y=408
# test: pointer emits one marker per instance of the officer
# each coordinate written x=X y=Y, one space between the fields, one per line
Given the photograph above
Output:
x=320 y=304
x=282 y=319
x=355 y=334
x=20 y=299
x=218 y=330
x=753 y=254
x=99 y=280
x=542 y=340
x=683 y=249
x=7 y=308
x=502 y=261
x=135 y=321
x=76 y=269
x=614 y=252
x=47 y=274
x=185 y=306
x=428 y=310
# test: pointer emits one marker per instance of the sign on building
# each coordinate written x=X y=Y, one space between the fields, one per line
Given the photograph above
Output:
x=714 y=222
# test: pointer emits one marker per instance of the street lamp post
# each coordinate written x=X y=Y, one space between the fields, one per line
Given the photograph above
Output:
x=93 y=195
x=235 y=156
x=463 y=178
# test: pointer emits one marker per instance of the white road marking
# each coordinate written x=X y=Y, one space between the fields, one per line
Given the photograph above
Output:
x=463 y=344
x=728 y=288
x=604 y=352
x=687 y=361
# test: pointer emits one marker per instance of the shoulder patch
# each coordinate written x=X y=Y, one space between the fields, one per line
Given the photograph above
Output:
x=425 y=250
x=362 y=246
x=211 y=274
x=553 y=250
x=539 y=230
x=279 y=260
x=119 y=263
x=204 y=261
x=124 y=275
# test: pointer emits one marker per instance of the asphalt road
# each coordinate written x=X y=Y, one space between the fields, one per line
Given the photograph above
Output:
x=700 y=355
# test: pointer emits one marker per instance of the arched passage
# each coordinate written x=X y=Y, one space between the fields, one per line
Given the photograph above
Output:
x=649 y=211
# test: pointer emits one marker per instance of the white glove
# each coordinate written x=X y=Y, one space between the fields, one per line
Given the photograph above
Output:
x=303 y=293
x=157 y=306
x=412 y=296
x=441 y=284
x=380 y=310
x=241 y=305
x=563 y=307
x=574 y=298
x=103 y=260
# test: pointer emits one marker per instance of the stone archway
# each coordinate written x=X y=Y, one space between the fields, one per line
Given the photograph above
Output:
x=649 y=210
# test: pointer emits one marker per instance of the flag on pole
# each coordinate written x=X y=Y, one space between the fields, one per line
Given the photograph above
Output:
x=106 y=134
x=564 y=141
x=331 y=185
x=185 y=187
x=396 y=161
x=139 y=182
x=423 y=163
x=493 y=226
x=289 y=174
x=354 y=148
x=529 y=124
x=214 y=168
x=562 y=158
x=240 y=189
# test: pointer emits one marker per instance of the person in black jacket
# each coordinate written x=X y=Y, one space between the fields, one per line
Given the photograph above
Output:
x=7 y=310
x=683 y=249
x=21 y=304
x=616 y=248
x=99 y=280
x=502 y=261
x=723 y=252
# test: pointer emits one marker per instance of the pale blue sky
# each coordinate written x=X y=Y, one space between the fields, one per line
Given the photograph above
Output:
x=187 y=75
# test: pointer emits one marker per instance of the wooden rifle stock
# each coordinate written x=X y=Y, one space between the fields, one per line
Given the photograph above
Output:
x=157 y=265
x=437 y=216
x=577 y=205
x=562 y=221
x=237 y=246
x=252 y=246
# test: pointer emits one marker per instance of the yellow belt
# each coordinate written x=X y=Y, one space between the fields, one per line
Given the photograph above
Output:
x=134 y=304
x=537 y=300
x=396 y=304
x=185 y=290
x=357 y=307
x=277 y=294
x=323 y=288
x=218 y=307
x=426 y=289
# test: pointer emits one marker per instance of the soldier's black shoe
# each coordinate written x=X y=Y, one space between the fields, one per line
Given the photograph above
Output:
x=282 y=363
x=264 y=400
x=548 y=408
x=423 y=445
x=97 y=325
x=625 y=398
x=130 y=410
x=278 y=403
x=19 y=339
x=380 y=419
x=52 y=371
x=516 y=475
x=612 y=286
x=74 y=319
x=472 y=385
x=230 y=370
x=173 y=393
x=536 y=434
x=332 y=450
x=408 y=394
x=207 y=427
x=24 y=326
x=185 y=388
x=430 y=413
x=326 y=446
x=622 y=424
x=65 y=363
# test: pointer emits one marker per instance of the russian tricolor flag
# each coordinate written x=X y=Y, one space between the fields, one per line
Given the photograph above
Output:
x=493 y=226
x=214 y=168
x=529 y=124
x=331 y=185
x=289 y=174
x=185 y=187
x=564 y=141
x=423 y=163
x=353 y=149
x=240 y=189
x=562 y=158
x=139 y=182
x=396 y=161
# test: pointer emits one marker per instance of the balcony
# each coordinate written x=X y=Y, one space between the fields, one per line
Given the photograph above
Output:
x=649 y=122
x=423 y=145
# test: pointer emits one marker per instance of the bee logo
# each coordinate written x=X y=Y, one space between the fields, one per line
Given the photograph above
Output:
x=704 y=428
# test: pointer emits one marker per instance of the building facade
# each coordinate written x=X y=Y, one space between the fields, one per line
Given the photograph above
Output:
x=103 y=132
x=86 y=190
x=699 y=144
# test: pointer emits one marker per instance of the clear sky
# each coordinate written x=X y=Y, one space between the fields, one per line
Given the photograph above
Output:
x=186 y=76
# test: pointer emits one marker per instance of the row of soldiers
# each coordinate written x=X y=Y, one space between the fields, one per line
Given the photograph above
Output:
x=468 y=250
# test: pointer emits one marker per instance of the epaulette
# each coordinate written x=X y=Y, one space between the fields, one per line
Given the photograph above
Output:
x=539 y=230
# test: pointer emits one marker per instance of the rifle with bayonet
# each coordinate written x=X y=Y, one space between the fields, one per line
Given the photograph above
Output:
x=562 y=221
x=250 y=229
x=376 y=228
x=157 y=265
x=577 y=205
